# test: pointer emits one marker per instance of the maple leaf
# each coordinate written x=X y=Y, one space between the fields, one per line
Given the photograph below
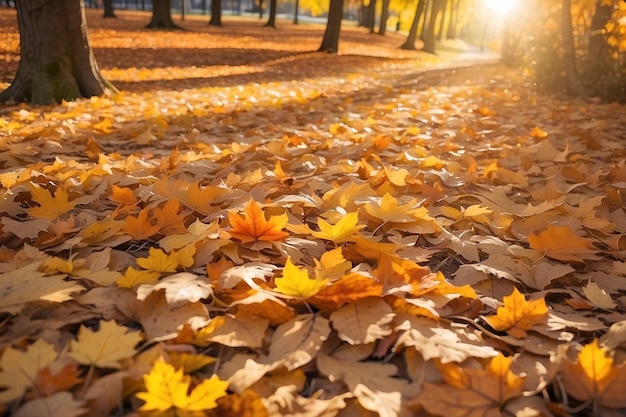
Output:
x=133 y=277
x=158 y=261
x=389 y=211
x=145 y=225
x=167 y=389
x=49 y=382
x=471 y=392
x=50 y=207
x=20 y=368
x=561 y=243
x=595 y=376
x=345 y=230
x=105 y=347
x=254 y=227
x=59 y=404
x=517 y=315
x=295 y=282
x=332 y=265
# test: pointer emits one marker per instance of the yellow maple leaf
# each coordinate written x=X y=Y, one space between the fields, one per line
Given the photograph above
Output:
x=467 y=391
x=50 y=207
x=159 y=261
x=133 y=277
x=253 y=226
x=105 y=347
x=332 y=265
x=517 y=315
x=167 y=389
x=296 y=282
x=561 y=243
x=345 y=230
x=595 y=376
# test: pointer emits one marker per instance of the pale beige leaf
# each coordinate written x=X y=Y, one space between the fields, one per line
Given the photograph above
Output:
x=28 y=284
x=236 y=331
x=180 y=289
x=297 y=342
x=598 y=296
x=59 y=404
x=363 y=321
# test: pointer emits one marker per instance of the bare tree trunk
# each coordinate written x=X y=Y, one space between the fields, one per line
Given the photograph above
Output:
x=429 y=31
x=442 y=20
x=162 y=15
x=261 y=2
x=295 y=12
x=330 y=42
x=409 y=43
x=569 y=56
x=371 y=16
x=216 y=13
x=108 y=9
x=454 y=12
x=271 y=21
x=384 y=16
x=56 y=61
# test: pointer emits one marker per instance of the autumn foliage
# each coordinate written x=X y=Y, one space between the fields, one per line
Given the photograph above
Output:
x=384 y=241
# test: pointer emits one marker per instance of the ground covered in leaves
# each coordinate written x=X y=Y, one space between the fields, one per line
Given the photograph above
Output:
x=273 y=231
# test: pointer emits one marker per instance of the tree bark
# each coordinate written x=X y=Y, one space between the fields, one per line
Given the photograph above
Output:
x=598 y=46
x=429 y=31
x=56 y=61
x=454 y=11
x=108 y=9
x=409 y=43
x=371 y=16
x=295 y=12
x=569 y=56
x=384 y=16
x=216 y=13
x=162 y=15
x=271 y=21
x=330 y=42
x=444 y=10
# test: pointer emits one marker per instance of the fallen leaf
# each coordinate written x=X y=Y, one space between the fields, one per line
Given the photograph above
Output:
x=106 y=347
x=254 y=227
x=517 y=315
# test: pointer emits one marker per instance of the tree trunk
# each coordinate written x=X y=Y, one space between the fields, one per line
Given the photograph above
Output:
x=384 y=16
x=108 y=9
x=569 y=56
x=162 y=15
x=454 y=11
x=261 y=7
x=410 y=39
x=370 y=21
x=598 y=47
x=216 y=13
x=330 y=42
x=444 y=10
x=271 y=21
x=56 y=61
x=429 y=31
x=295 y=12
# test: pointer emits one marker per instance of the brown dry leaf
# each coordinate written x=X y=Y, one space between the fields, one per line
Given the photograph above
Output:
x=59 y=404
x=106 y=347
x=239 y=330
x=363 y=321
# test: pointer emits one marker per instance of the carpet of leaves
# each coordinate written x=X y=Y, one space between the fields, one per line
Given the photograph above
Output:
x=253 y=229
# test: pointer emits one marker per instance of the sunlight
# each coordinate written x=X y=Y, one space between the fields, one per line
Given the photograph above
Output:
x=501 y=7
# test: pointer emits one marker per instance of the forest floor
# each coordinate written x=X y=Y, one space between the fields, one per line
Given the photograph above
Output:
x=252 y=228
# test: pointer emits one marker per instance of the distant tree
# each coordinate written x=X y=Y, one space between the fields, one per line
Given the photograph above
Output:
x=370 y=19
x=271 y=21
x=261 y=8
x=430 y=26
x=442 y=20
x=569 y=49
x=108 y=9
x=295 y=12
x=409 y=43
x=384 y=16
x=454 y=18
x=330 y=42
x=216 y=13
x=56 y=60
x=162 y=15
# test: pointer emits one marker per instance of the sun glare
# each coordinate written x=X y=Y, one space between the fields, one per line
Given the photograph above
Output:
x=501 y=7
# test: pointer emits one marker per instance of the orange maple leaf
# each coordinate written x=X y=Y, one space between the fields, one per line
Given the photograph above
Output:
x=561 y=243
x=467 y=391
x=50 y=207
x=351 y=287
x=595 y=376
x=145 y=225
x=253 y=227
x=517 y=315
